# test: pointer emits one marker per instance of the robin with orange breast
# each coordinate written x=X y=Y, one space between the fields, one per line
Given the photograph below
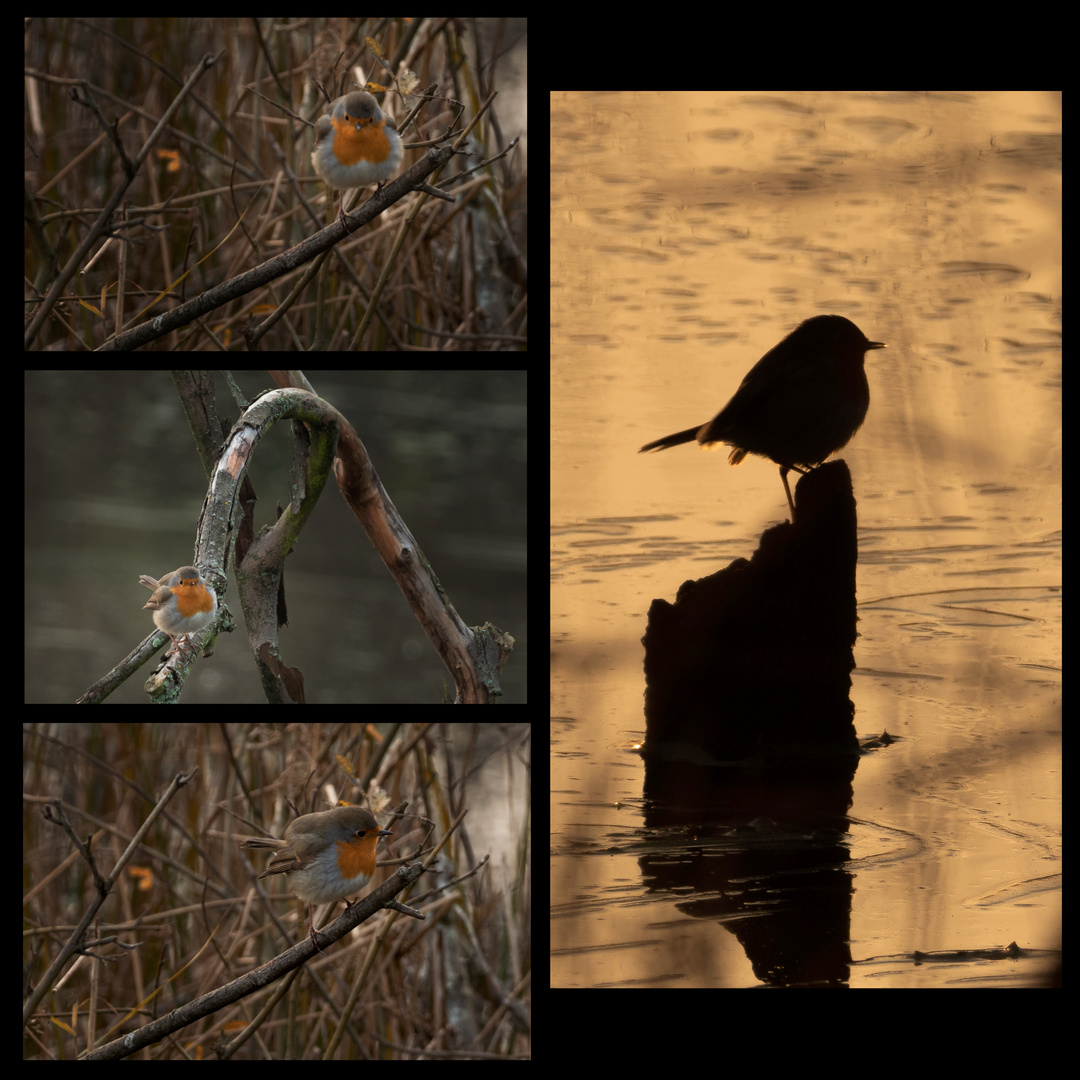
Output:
x=356 y=144
x=328 y=856
x=182 y=602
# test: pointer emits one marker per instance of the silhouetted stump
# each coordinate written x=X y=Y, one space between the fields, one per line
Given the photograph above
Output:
x=748 y=673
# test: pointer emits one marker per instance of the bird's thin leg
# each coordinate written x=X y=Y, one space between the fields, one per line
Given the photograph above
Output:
x=784 y=470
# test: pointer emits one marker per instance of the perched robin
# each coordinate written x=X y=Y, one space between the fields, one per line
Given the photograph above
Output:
x=356 y=144
x=182 y=602
x=801 y=402
x=327 y=856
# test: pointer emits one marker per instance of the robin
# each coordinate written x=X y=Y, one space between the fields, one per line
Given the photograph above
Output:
x=801 y=402
x=327 y=856
x=182 y=602
x=356 y=144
